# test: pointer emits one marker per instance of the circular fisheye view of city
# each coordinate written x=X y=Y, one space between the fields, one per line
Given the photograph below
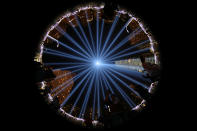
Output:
x=98 y=66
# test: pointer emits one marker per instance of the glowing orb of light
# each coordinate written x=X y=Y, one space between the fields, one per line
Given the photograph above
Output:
x=97 y=63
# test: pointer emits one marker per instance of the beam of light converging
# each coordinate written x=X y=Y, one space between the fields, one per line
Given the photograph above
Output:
x=130 y=79
x=75 y=89
x=101 y=85
x=64 y=63
x=83 y=33
x=69 y=81
x=71 y=39
x=101 y=36
x=98 y=94
x=66 y=46
x=97 y=56
x=87 y=96
x=133 y=74
x=97 y=33
x=89 y=49
x=124 y=95
x=110 y=75
x=94 y=101
x=130 y=53
x=130 y=48
x=79 y=96
x=125 y=40
x=106 y=83
x=117 y=36
x=62 y=54
x=97 y=63
x=66 y=74
x=131 y=67
x=90 y=33
x=110 y=33
x=69 y=67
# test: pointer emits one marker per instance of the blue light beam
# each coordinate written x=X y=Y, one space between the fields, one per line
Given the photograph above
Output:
x=90 y=33
x=71 y=67
x=130 y=53
x=79 y=96
x=74 y=90
x=83 y=33
x=94 y=101
x=125 y=40
x=110 y=32
x=124 y=95
x=97 y=34
x=133 y=73
x=66 y=35
x=130 y=48
x=87 y=97
x=80 y=37
x=63 y=63
x=101 y=36
x=68 y=82
x=98 y=94
x=66 y=46
x=101 y=85
x=62 y=54
x=117 y=36
x=130 y=79
x=65 y=74
x=106 y=83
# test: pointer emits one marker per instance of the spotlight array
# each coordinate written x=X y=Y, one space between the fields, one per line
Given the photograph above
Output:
x=86 y=37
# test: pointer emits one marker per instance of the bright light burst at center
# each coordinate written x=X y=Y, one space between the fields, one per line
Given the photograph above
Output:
x=97 y=63
x=96 y=43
